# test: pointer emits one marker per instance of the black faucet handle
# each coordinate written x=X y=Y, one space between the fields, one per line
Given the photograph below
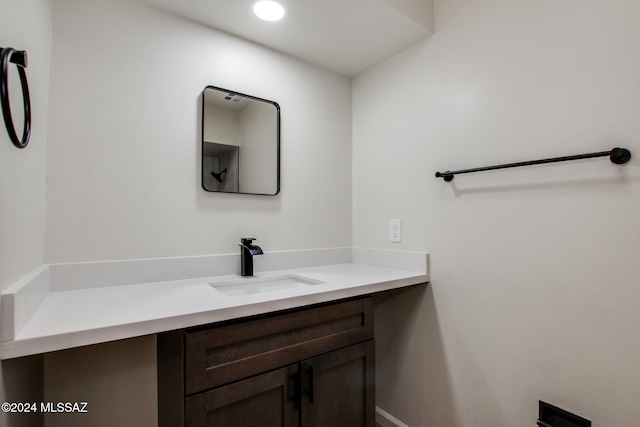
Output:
x=247 y=240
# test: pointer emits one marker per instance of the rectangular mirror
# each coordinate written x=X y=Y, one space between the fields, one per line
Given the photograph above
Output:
x=240 y=143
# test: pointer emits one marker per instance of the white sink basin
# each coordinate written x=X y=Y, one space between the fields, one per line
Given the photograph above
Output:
x=256 y=285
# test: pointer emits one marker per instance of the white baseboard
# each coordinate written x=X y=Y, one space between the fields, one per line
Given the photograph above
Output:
x=385 y=419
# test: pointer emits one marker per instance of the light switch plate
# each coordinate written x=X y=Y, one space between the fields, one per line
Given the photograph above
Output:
x=395 y=230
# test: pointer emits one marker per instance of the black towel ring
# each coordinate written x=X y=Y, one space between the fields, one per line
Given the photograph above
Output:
x=20 y=59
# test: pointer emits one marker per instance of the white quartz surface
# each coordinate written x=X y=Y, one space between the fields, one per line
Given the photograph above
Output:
x=76 y=317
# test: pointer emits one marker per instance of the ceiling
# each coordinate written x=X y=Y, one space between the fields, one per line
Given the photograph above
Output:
x=345 y=36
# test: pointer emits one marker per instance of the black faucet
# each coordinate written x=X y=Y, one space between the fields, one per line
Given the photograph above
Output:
x=247 y=251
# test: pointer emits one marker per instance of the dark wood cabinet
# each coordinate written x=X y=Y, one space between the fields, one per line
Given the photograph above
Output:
x=307 y=367
x=338 y=388
x=266 y=400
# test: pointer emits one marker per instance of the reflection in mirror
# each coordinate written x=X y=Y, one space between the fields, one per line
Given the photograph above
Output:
x=240 y=143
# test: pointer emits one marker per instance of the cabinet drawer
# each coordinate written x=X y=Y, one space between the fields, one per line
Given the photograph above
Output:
x=223 y=354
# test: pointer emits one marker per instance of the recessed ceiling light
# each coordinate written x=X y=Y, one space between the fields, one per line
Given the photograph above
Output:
x=269 y=10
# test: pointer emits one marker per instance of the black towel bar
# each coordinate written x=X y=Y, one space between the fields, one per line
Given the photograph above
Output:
x=617 y=155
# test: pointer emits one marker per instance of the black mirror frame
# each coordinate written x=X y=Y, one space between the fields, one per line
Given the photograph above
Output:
x=202 y=141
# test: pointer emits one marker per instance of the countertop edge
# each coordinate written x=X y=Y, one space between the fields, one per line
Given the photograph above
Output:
x=31 y=346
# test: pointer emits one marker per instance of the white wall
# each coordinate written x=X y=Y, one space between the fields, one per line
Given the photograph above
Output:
x=124 y=141
x=124 y=168
x=24 y=25
x=534 y=289
x=117 y=380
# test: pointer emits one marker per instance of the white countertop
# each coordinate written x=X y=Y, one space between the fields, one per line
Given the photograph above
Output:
x=73 y=316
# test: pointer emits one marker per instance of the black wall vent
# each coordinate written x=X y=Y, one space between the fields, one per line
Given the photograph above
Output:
x=551 y=416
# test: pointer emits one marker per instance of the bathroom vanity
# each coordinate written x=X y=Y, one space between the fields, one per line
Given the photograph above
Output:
x=312 y=366
x=292 y=345
x=61 y=306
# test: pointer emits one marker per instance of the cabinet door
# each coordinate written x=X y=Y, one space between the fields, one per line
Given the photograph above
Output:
x=338 y=388
x=266 y=400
